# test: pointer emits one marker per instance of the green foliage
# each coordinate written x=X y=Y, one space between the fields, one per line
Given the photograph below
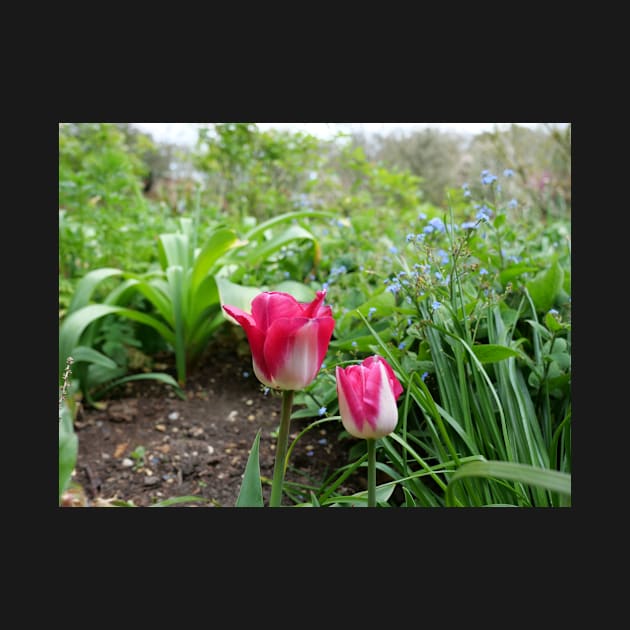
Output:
x=250 y=494
x=185 y=295
x=104 y=219
x=68 y=447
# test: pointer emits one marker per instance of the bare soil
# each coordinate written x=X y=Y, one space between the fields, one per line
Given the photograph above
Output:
x=147 y=444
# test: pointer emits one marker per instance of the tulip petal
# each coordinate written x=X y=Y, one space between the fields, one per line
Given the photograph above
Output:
x=256 y=338
x=272 y=305
x=315 y=308
x=350 y=387
x=295 y=348
x=367 y=398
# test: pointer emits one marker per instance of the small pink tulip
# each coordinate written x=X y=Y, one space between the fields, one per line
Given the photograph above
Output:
x=288 y=339
x=367 y=395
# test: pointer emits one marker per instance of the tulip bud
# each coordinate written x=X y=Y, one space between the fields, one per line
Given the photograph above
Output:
x=288 y=339
x=367 y=395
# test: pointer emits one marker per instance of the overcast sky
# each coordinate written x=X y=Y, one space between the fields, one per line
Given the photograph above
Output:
x=186 y=133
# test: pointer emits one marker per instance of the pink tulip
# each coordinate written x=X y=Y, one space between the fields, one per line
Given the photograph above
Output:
x=288 y=339
x=367 y=395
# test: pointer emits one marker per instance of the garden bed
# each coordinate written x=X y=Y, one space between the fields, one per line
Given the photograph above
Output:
x=148 y=445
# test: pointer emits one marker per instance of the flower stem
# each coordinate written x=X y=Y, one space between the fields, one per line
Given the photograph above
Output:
x=371 y=449
x=281 y=449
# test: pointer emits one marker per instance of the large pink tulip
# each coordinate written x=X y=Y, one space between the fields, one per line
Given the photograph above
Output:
x=367 y=395
x=288 y=339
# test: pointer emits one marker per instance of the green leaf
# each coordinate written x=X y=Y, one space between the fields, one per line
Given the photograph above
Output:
x=552 y=480
x=87 y=284
x=545 y=286
x=156 y=376
x=266 y=248
x=491 y=353
x=236 y=295
x=89 y=355
x=175 y=500
x=75 y=324
x=514 y=271
x=552 y=323
x=301 y=292
x=250 y=494
x=68 y=449
x=218 y=244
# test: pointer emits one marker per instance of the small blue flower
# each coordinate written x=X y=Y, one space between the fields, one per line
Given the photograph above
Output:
x=401 y=345
x=322 y=411
x=371 y=311
x=245 y=374
x=553 y=311
x=483 y=271
x=322 y=441
x=354 y=344
x=422 y=216
x=424 y=376
x=325 y=286
x=512 y=203
x=436 y=305
x=428 y=229
x=411 y=237
x=438 y=275
x=469 y=225
x=508 y=172
x=438 y=224
x=393 y=249
x=487 y=177
x=309 y=453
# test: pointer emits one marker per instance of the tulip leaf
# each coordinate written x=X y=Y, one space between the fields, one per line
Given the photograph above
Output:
x=301 y=292
x=250 y=494
x=236 y=295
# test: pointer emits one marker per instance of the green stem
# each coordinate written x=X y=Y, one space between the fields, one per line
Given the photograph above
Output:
x=281 y=449
x=371 y=449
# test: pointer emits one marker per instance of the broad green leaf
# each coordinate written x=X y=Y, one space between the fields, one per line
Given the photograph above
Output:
x=545 y=286
x=250 y=494
x=85 y=287
x=514 y=271
x=89 y=355
x=491 y=353
x=236 y=295
x=174 y=250
x=552 y=323
x=266 y=248
x=259 y=230
x=75 y=324
x=218 y=244
x=301 y=292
